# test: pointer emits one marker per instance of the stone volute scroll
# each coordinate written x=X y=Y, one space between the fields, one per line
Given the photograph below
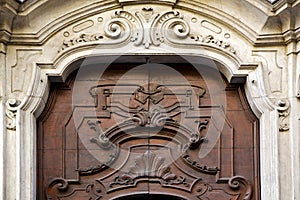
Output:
x=147 y=26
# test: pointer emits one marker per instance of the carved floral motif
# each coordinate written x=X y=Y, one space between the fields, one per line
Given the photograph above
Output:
x=83 y=38
x=209 y=39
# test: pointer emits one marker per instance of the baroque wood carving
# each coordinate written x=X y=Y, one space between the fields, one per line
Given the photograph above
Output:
x=146 y=138
x=149 y=165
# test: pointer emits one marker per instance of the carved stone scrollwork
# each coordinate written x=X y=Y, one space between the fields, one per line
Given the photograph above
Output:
x=283 y=107
x=114 y=28
x=149 y=165
x=146 y=26
x=173 y=23
x=11 y=111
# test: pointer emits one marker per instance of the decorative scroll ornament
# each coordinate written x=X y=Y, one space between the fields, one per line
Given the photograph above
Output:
x=11 y=111
x=101 y=139
x=158 y=119
x=104 y=143
x=283 y=107
x=60 y=186
x=197 y=138
x=236 y=182
x=152 y=166
x=240 y=189
x=147 y=27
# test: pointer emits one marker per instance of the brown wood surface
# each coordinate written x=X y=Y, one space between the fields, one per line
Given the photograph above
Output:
x=136 y=133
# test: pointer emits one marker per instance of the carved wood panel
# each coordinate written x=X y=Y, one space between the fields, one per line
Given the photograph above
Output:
x=142 y=130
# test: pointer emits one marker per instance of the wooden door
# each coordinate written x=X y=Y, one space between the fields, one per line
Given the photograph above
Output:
x=147 y=131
